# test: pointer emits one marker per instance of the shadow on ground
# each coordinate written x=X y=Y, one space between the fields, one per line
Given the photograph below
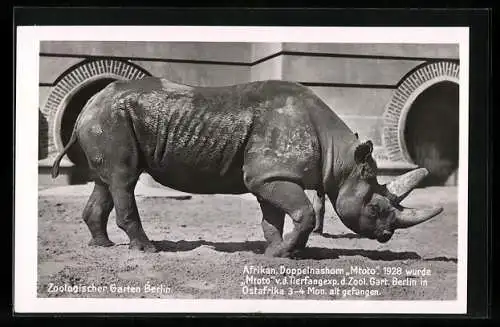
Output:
x=349 y=236
x=315 y=253
x=182 y=246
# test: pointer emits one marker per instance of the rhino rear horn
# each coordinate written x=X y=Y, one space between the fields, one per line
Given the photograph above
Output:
x=404 y=184
x=407 y=217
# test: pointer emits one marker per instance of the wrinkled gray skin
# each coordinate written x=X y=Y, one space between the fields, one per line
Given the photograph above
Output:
x=271 y=138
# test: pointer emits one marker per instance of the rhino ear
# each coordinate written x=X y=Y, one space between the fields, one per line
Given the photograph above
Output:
x=357 y=136
x=363 y=151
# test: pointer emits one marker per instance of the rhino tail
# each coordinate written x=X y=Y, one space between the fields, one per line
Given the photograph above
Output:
x=55 y=166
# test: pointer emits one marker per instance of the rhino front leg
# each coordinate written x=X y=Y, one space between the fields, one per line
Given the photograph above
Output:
x=96 y=214
x=273 y=220
x=291 y=199
x=319 y=211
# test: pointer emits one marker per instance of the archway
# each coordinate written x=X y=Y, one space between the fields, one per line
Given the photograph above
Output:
x=72 y=81
x=72 y=110
x=431 y=131
x=421 y=121
x=71 y=91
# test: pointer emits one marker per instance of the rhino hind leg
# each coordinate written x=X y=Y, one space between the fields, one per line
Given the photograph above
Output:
x=96 y=214
x=291 y=199
x=127 y=216
x=273 y=220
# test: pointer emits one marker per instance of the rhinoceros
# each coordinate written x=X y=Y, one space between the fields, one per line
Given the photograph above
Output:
x=273 y=139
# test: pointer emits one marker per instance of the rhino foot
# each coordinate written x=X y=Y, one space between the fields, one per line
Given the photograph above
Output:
x=279 y=250
x=145 y=246
x=282 y=253
x=275 y=252
x=104 y=242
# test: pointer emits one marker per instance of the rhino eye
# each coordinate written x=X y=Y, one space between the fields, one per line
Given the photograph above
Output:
x=373 y=210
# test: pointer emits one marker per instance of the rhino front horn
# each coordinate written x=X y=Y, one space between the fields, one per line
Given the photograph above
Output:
x=408 y=217
x=404 y=184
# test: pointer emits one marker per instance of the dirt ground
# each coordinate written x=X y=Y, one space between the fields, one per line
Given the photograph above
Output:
x=209 y=244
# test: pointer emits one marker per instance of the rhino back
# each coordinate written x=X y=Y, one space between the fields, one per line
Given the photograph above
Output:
x=185 y=136
x=202 y=134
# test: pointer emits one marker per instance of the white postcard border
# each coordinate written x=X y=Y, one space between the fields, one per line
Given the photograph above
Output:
x=26 y=173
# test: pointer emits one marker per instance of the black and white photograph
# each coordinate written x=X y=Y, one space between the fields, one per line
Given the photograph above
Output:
x=205 y=169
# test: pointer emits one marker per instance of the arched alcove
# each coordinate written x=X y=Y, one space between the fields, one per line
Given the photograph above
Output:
x=68 y=119
x=68 y=97
x=421 y=121
x=431 y=132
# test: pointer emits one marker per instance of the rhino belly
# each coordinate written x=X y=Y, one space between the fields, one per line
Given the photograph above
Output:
x=185 y=178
